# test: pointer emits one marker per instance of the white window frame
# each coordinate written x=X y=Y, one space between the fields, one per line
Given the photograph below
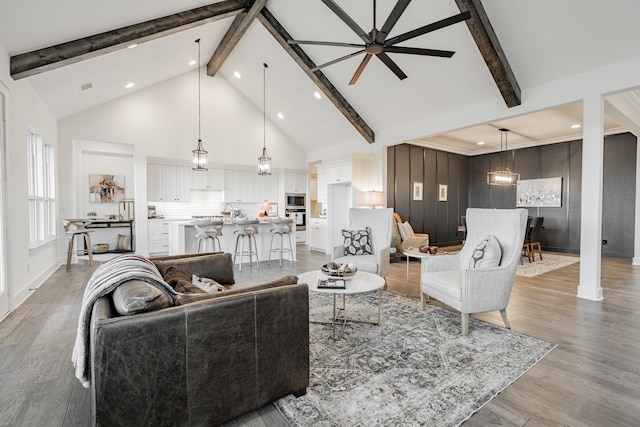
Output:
x=42 y=197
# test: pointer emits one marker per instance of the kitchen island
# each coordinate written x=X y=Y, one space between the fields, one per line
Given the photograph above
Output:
x=182 y=239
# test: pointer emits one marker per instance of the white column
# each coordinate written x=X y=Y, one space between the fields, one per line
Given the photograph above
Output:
x=591 y=209
x=636 y=237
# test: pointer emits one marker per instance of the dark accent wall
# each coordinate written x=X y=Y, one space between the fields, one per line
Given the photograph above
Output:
x=467 y=184
x=407 y=164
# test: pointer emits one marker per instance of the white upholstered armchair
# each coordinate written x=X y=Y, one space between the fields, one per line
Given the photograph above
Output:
x=486 y=285
x=380 y=223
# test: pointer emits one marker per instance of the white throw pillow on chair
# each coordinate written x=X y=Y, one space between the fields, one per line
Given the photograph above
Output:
x=406 y=230
x=486 y=254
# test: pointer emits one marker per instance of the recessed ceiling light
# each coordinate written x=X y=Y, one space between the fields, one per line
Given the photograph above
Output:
x=131 y=46
x=280 y=116
x=192 y=62
x=237 y=74
x=480 y=142
x=575 y=126
x=129 y=85
x=317 y=94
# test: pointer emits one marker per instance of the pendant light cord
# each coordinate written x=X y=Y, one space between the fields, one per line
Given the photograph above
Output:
x=264 y=106
x=199 y=115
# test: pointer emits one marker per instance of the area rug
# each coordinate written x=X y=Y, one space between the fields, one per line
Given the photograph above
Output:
x=415 y=369
x=549 y=262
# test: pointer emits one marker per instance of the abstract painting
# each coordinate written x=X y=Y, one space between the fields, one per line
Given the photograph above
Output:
x=533 y=193
x=106 y=188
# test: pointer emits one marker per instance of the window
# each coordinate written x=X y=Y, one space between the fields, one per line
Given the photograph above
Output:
x=42 y=200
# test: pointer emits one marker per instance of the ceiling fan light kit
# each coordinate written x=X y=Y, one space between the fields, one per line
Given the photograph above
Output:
x=376 y=42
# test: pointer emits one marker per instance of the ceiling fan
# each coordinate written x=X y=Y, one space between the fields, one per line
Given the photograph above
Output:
x=376 y=41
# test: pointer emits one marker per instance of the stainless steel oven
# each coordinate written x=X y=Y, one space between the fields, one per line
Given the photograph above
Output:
x=295 y=201
x=299 y=217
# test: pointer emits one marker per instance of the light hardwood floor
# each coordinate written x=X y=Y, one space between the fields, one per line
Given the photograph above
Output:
x=591 y=379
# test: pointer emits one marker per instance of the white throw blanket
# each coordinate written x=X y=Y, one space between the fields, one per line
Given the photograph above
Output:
x=104 y=280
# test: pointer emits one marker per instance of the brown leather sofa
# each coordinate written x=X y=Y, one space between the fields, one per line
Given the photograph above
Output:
x=204 y=362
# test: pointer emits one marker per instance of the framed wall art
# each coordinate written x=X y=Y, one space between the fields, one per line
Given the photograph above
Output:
x=106 y=188
x=442 y=192
x=533 y=193
x=417 y=191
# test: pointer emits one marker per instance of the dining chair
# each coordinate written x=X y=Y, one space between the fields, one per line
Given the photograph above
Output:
x=533 y=238
x=526 y=247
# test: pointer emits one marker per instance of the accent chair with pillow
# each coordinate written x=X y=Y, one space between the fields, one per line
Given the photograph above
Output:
x=408 y=239
x=367 y=242
x=480 y=277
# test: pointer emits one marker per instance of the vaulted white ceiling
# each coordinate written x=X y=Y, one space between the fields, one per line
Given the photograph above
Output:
x=544 y=41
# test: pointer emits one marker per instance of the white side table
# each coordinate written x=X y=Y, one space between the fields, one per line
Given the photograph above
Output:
x=413 y=254
x=359 y=283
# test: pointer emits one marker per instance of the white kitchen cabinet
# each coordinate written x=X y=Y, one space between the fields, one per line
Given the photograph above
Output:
x=265 y=188
x=167 y=183
x=238 y=185
x=158 y=237
x=318 y=235
x=340 y=171
x=322 y=185
x=295 y=182
x=211 y=179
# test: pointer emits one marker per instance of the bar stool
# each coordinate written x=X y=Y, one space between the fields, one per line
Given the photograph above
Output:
x=73 y=229
x=208 y=231
x=246 y=229
x=282 y=227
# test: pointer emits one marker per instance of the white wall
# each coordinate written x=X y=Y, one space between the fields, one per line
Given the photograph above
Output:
x=26 y=268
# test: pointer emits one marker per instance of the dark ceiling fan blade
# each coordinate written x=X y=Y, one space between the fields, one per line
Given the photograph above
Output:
x=392 y=20
x=342 y=58
x=360 y=69
x=392 y=65
x=419 y=51
x=325 y=43
x=429 y=28
x=347 y=20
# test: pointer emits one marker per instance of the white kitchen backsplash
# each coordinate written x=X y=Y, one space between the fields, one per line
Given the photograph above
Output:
x=206 y=203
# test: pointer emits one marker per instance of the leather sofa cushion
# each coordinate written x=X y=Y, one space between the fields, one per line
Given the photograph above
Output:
x=218 y=267
x=137 y=296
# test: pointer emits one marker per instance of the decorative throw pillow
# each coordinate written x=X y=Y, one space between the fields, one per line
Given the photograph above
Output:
x=210 y=286
x=138 y=296
x=124 y=243
x=357 y=242
x=181 y=281
x=486 y=254
x=406 y=230
x=218 y=267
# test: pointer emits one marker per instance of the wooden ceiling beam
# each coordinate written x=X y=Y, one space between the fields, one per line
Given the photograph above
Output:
x=489 y=46
x=49 y=58
x=302 y=59
x=233 y=35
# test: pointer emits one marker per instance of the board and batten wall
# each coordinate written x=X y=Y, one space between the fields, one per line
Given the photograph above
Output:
x=561 y=225
x=407 y=164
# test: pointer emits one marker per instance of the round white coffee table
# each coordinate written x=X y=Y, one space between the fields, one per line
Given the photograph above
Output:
x=359 y=283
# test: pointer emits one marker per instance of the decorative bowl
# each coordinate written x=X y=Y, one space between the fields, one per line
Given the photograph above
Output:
x=100 y=248
x=336 y=269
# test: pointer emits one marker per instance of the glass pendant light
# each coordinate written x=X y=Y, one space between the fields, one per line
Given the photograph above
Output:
x=264 y=167
x=502 y=175
x=199 y=154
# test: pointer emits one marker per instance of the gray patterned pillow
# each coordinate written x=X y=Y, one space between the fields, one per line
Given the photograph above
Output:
x=486 y=254
x=357 y=242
